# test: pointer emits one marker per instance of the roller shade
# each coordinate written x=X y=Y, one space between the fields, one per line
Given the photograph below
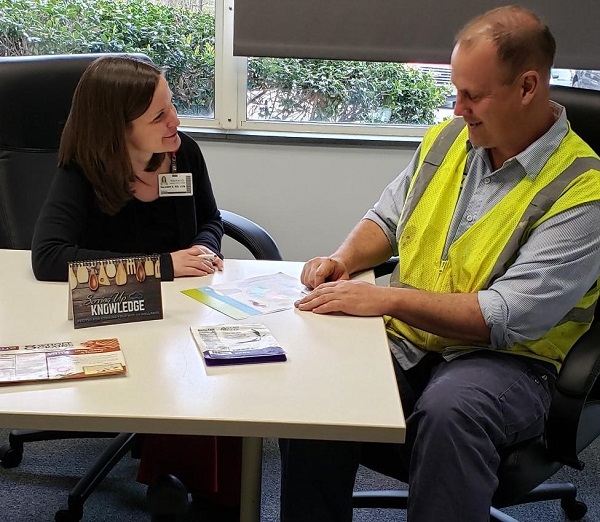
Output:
x=397 y=30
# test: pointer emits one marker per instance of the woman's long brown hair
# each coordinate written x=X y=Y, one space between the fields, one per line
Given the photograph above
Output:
x=112 y=92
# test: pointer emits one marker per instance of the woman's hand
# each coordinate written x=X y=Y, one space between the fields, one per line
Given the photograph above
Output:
x=197 y=260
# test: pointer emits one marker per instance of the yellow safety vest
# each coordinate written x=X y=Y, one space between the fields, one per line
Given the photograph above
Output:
x=570 y=177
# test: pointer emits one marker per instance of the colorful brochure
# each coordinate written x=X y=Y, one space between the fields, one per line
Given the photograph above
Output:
x=63 y=360
x=254 y=296
x=237 y=344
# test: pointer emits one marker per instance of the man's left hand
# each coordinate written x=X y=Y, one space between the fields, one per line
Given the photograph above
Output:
x=349 y=297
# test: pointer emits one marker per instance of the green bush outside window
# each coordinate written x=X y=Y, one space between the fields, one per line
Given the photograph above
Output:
x=180 y=39
x=179 y=35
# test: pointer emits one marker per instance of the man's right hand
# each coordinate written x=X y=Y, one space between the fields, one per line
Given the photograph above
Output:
x=321 y=269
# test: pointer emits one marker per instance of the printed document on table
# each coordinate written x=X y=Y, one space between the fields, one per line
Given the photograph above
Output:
x=253 y=296
x=237 y=344
x=62 y=360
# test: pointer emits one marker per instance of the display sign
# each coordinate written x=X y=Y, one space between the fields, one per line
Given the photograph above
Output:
x=111 y=291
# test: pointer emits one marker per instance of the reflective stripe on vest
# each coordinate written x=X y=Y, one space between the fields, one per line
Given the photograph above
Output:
x=433 y=159
x=539 y=205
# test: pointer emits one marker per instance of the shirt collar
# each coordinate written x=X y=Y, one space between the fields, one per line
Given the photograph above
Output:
x=534 y=157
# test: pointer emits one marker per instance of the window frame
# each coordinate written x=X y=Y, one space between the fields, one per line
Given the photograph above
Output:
x=231 y=95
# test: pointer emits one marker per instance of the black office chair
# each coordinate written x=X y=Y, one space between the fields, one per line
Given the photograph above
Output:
x=574 y=417
x=35 y=99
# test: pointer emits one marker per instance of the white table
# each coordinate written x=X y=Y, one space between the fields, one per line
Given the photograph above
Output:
x=338 y=382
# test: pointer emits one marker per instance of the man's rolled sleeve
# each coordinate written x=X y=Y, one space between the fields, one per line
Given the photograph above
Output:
x=557 y=265
x=390 y=234
x=495 y=314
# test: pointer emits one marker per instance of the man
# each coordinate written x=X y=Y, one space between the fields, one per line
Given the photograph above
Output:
x=495 y=222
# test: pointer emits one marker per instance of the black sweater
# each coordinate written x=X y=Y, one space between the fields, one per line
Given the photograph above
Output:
x=72 y=227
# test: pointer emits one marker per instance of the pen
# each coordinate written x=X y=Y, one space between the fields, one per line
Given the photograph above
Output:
x=207 y=256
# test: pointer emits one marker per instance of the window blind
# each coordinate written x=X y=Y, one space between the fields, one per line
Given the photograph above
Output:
x=397 y=30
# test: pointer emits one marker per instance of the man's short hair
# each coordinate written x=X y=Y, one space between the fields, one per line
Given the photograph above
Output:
x=523 y=41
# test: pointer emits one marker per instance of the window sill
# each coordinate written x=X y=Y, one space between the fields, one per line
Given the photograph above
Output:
x=299 y=138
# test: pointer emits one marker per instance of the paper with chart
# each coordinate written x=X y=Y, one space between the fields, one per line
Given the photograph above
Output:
x=254 y=296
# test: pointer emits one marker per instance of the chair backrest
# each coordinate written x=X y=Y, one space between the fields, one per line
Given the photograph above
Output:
x=35 y=99
x=583 y=112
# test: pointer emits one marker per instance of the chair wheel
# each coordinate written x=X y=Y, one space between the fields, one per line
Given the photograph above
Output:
x=574 y=509
x=10 y=457
x=64 y=515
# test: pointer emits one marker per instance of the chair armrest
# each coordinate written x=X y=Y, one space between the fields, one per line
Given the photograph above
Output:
x=255 y=238
x=575 y=382
x=385 y=268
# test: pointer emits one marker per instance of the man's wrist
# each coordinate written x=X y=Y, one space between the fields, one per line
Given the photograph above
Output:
x=339 y=259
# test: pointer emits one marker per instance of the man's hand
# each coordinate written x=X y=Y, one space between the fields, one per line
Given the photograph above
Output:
x=187 y=262
x=321 y=269
x=349 y=297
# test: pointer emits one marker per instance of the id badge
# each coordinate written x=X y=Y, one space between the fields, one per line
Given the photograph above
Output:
x=179 y=184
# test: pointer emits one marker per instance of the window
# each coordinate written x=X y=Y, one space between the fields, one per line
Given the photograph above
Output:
x=176 y=34
x=586 y=79
x=193 y=40
x=347 y=92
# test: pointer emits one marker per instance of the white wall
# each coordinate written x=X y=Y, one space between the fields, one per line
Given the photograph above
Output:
x=307 y=197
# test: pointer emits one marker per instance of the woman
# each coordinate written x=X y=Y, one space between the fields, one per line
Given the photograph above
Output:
x=106 y=202
x=120 y=136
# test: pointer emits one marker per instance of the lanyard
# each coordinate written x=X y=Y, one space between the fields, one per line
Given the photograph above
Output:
x=173 y=163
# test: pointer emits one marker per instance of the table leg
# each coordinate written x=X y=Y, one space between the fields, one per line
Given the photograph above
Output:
x=251 y=479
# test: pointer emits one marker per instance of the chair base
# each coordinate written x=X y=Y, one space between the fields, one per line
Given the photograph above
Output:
x=110 y=457
x=168 y=500
x=565 y=492
x=387 y=499
x=497 y=516
x=11 y=454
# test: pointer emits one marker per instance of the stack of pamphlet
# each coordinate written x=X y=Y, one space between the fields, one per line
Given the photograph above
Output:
x=237 y=344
